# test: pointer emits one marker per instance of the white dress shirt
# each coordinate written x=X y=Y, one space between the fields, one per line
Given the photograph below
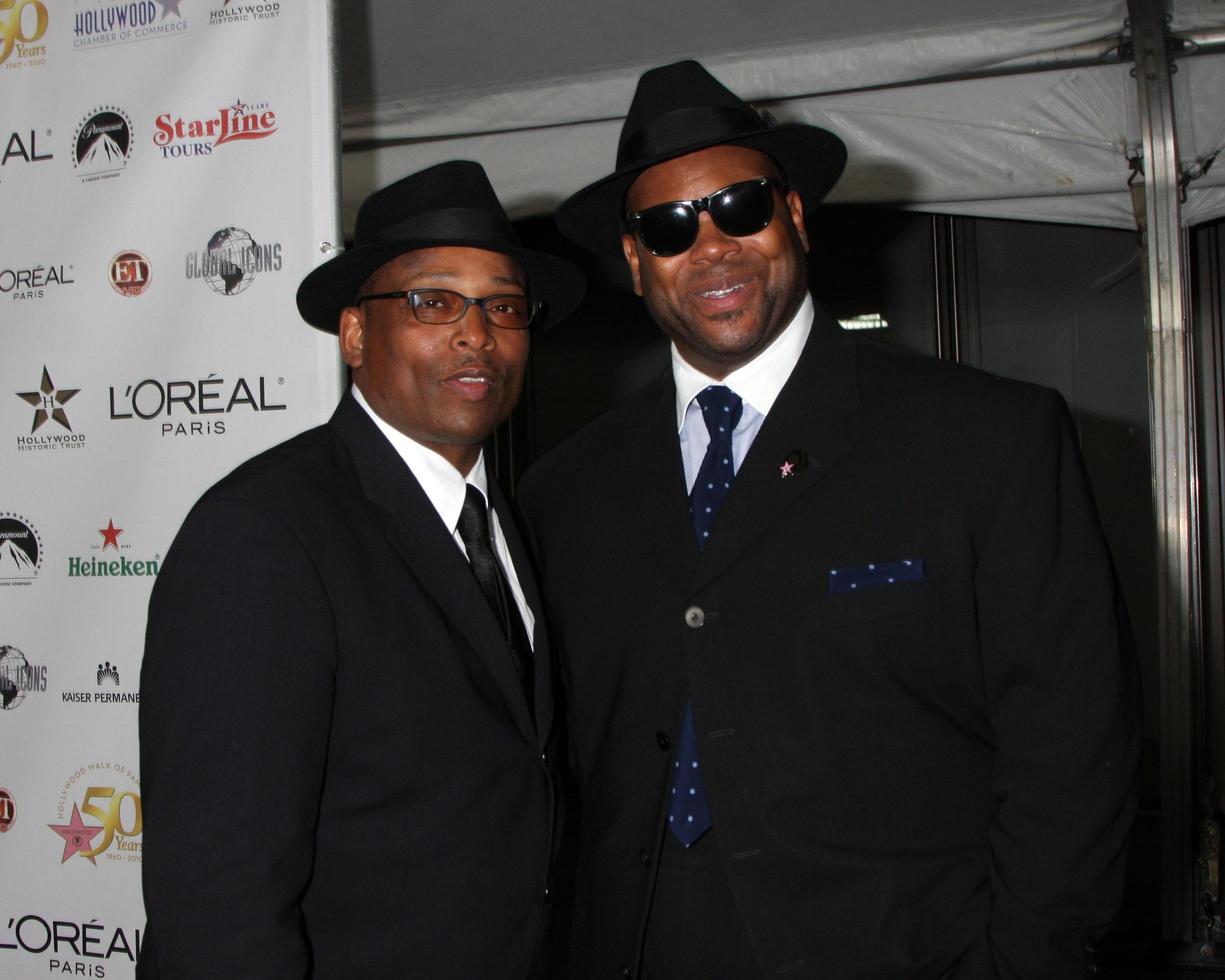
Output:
x=446 y=488
x=757 y=383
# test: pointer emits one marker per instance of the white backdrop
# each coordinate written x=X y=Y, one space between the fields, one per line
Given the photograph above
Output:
x=168 y=175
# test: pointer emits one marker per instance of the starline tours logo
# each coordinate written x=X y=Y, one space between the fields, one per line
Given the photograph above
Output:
x=22 y=25
x=21 y=550
x=231 y=260
x=19 y=678
x=107 y=793
x=178 y=137
x=34 y=281
x=106 y=690
x=243 y=12
x=102 y=144
x=49 y=404
x=188 y=407
x=130 y=273
x=8 y=811
x=111 y=558
x=104 y=22
x=71 y=947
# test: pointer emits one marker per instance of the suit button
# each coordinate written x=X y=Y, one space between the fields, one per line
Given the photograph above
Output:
x=644 y=856
x=662 y=740
x=694 y=617
x=625 y=970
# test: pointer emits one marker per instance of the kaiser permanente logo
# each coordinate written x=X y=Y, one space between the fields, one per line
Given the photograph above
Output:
x=106 y=690
x=104 y=23
x=49 y=403
x=109 y=560
x=176 y=136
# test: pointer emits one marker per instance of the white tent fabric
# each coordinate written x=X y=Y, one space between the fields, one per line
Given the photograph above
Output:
x=1048 y=145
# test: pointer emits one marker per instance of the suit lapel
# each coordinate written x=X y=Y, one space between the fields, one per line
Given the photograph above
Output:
x=808 y=422
x=412 y=527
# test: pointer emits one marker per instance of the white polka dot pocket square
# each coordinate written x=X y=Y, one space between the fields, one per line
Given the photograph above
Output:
x=876 y=575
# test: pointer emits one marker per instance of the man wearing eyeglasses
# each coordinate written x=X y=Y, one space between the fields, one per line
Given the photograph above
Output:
x=373 y=796
x=848 y=680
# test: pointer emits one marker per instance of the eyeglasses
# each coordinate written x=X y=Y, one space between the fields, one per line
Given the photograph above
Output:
x=510 y=311
x=740 y=209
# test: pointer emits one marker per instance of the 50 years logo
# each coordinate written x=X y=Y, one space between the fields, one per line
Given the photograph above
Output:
x=22 y=22
x=116 y=835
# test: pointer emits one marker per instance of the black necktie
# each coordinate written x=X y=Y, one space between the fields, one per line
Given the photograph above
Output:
x=474 y=532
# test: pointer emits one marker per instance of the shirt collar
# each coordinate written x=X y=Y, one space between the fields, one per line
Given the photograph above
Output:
x=443 y=483
x=757 y=382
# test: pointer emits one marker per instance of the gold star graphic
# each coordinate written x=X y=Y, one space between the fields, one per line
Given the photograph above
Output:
x=48 y=402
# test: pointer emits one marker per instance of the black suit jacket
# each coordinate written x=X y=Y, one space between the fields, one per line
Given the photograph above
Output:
x=927 y=778
x=340 y=774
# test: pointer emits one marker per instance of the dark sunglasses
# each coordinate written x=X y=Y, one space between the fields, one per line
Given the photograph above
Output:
x=509 y=311
x=740 y=209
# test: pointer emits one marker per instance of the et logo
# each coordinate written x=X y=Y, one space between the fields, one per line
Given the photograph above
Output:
x=18 y=28
x=129 y=273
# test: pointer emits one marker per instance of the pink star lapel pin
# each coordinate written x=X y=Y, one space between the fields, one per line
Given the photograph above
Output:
x=787 y=469
x=794 y=462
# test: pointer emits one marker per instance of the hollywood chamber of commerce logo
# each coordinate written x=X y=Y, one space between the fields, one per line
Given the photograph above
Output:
x=19 y=678
x=231 y=260
x=32 y=282
x=8 y=811
x=179 y=137
x=107 y=793
x=190 y=407
x=108 y=23
x=106 y=690
x=22 y=23
x=116 y=565
x=102 y=144
x=21 y=550
x=241 y=12
x=129 y=273
x=49 y=403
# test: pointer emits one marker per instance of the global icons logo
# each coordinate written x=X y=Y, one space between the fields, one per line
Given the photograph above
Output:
x=179 y=137
x=8 y=811
x=94 y=793
x=20 y=550
x=129 y=273
x=116 y=565
x=19 y=678
x=231 y=261
x=22 y=22
x=120 y=23
x=33 y=282
x=102 y=144
x=237 y=12
x=193 y=407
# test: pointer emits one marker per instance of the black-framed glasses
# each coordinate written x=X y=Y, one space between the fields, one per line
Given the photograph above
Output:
x=739 y=209
x=510 y=311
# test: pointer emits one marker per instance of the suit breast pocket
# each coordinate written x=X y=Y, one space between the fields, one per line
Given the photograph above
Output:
x=848 y=609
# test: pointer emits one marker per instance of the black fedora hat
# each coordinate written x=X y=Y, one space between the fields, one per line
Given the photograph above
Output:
x=450 y=203
x=681 y=108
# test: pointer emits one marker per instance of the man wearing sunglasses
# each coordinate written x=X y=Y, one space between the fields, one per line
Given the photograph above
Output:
x=373 y=796
x=848 y=679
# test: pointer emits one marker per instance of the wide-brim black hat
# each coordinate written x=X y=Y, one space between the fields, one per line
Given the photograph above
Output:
x=449 y=203
x=681 y=108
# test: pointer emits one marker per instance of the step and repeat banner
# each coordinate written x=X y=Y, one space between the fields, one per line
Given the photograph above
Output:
x=167 y=176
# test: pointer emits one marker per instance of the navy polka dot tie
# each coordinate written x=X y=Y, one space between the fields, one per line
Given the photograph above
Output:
x=688 y=811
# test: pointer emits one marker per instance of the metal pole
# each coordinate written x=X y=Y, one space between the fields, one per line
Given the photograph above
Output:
x=1174 y=465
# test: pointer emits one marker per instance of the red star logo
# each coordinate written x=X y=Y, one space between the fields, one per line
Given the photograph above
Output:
x=787 y=469
x=77 y=836
x=110 y=534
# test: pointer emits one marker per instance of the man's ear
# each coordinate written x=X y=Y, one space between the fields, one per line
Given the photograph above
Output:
x=352 y=333
x=629 y=246
x=795 y=208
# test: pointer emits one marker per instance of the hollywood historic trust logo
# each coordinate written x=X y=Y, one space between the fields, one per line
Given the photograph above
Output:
x=108 y=794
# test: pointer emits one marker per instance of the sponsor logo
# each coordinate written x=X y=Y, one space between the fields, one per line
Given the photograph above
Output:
x=22 y=24
x=19 y=678
x=26 y=145
x=20 y=550
x=179 y=137
x=231 y=261
x=118 y=565
x=242 y=11
x=193 y=407
x=108 y=23
x=107 y=793
x=71 y=948
x=102 y=144
x=104 y=691
x=33 y=282
x=129 y=273
x=8 y=811
x=49 y=402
